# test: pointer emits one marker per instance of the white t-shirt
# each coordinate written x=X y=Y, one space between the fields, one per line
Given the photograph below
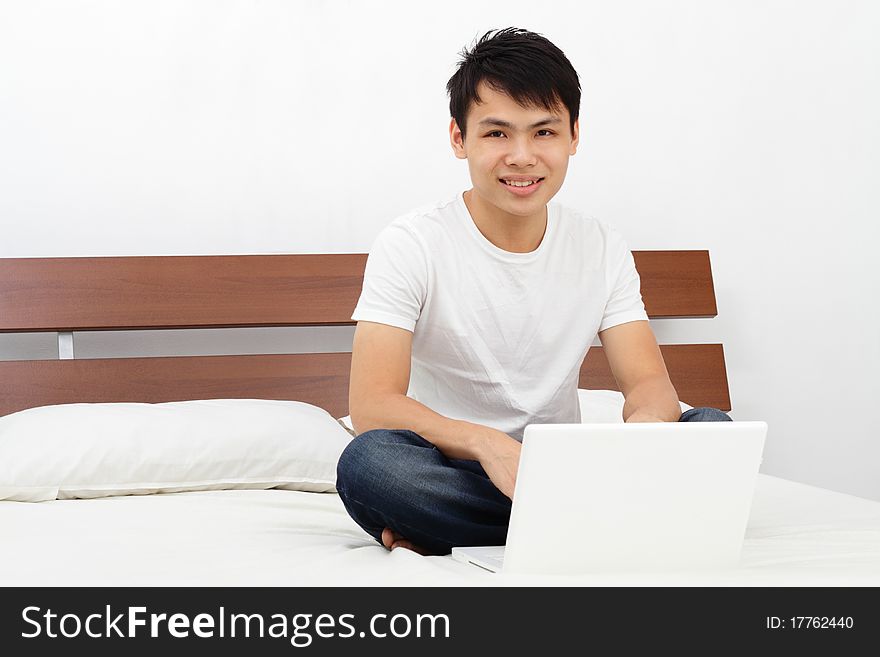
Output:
x=498 y=337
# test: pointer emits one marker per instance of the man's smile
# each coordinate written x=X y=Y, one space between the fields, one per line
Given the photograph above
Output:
x=521 y=185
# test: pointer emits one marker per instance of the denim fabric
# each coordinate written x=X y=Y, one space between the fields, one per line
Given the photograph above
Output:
x=395 y=478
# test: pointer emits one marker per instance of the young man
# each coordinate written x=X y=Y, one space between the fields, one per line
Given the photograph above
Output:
x=476 y=314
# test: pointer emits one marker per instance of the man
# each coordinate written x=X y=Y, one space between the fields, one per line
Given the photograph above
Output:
x=476 y=314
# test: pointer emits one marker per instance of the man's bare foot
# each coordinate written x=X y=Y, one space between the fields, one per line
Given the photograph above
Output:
x=392 y=539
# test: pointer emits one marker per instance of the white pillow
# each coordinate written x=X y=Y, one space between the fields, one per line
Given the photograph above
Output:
x=96 y=450
x=597 y=406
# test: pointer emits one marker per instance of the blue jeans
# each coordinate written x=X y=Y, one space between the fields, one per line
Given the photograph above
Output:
x=395 y=478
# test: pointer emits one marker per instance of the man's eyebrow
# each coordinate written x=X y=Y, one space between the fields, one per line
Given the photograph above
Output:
x=507 y=124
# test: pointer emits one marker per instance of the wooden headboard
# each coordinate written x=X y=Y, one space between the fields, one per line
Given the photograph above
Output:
x=64 y=295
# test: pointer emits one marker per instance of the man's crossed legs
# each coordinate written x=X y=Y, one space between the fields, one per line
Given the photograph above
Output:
x=395 y=483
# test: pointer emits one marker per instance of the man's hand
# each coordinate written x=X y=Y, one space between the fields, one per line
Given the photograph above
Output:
x=498 y=453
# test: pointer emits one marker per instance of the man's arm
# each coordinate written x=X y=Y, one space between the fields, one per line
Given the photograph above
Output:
x=380 y=370
x=638 y=367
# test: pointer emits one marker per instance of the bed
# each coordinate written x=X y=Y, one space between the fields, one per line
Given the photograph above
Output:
x=268 y=534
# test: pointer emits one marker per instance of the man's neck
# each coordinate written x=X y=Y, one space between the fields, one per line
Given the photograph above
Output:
x=512 y=233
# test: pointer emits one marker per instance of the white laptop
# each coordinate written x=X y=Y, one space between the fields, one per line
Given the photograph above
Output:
x=639 y=497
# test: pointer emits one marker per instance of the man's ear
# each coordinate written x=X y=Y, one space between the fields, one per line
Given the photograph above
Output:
x=575 y=137
x=457 y=141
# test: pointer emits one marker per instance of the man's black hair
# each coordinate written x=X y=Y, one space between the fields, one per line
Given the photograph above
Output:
x=524 y=65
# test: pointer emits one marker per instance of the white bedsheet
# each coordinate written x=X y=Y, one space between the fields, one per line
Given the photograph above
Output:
x=797 y=535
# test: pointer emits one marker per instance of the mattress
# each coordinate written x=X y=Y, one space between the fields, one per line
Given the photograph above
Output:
x=797 y=535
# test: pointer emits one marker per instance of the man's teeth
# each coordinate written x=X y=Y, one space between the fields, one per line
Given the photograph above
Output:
x=525 y=183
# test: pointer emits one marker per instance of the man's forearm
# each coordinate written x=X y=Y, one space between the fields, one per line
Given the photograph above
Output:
x=653 y=397
x=457 y=439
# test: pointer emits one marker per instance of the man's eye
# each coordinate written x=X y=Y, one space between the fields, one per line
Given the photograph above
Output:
x=494 y=132
x=549 y=132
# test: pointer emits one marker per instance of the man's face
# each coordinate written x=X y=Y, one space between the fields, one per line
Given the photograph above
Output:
x=509 y=143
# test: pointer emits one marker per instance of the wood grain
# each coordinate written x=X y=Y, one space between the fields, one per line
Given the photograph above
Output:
x=697 y=371
x=319 y=379
x=155 y=292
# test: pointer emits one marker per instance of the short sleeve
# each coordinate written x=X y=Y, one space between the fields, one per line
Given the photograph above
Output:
x=624 y=302
x=395 y=280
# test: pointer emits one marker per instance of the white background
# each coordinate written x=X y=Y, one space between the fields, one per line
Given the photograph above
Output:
x=208 y=127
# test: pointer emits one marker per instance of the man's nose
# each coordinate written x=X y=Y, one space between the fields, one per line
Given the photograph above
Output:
x=521 y=153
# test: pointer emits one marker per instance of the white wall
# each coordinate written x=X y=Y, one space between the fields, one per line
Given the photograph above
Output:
x=202 y=127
